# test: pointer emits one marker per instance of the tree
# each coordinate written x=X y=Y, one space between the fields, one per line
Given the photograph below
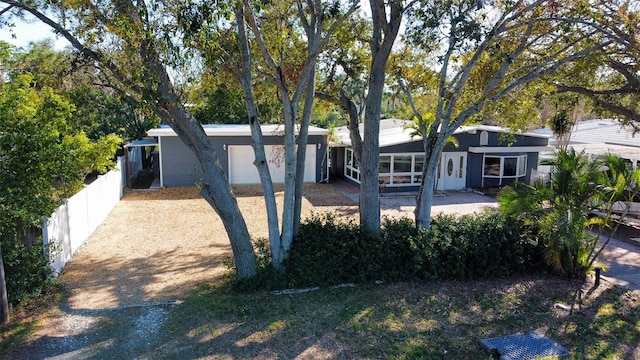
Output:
x=135 y=66
x=509 y=44
x=365 y=83
x=99 y=109
x=384 y=32
x=311 y=17
x=611 y=80
x=40 y=162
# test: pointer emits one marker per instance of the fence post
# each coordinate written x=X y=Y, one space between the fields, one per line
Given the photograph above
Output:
x=45 y=238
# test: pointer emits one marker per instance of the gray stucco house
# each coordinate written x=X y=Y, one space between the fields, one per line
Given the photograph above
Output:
x=178 y=165
x=485 y=156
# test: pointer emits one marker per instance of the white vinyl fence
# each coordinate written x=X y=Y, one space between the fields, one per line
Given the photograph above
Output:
x=79 y=216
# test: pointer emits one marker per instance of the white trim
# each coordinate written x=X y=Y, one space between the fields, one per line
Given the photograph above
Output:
x=235 y=130
x=510 y=149
x=501 y=176
x=160 y=162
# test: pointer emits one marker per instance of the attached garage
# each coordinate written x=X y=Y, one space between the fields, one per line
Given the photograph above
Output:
x=242 y=170
x=232 y=143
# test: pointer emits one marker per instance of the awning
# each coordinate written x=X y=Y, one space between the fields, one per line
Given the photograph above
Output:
x=139 y=143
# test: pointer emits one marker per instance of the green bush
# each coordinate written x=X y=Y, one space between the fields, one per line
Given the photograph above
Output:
x=470 y=247
x=26 y=269
x=329 y=252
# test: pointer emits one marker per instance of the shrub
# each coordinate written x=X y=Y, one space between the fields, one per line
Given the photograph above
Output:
x=26 y=269
x=328 y=251
x=470 y=247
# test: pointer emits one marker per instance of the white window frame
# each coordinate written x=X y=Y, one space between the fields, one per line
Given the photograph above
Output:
x=352 y=171
x=521 y=167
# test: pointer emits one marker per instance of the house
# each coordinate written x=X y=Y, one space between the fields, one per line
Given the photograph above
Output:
x=606 y=136
x=178 y=165
x=484 y=156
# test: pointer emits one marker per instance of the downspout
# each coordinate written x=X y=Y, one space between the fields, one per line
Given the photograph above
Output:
x=160 y=161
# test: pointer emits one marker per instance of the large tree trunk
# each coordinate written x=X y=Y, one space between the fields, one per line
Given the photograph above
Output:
x=215 y=187
x=244 y=76
x=425 y=193
x=381 y=46
x=302 y=141
x=4 y=301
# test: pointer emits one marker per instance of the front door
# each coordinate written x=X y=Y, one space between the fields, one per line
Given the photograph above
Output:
x=453 y=170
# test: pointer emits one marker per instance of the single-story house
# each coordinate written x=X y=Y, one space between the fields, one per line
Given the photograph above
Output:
x=484 y=156
x=178 y=165
x=602 y=136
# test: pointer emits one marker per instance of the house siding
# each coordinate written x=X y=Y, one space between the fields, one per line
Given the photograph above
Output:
x=475 y=161
x=180 y=166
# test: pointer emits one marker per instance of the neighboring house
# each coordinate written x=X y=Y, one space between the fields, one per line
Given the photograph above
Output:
x=486 y=156
x=606 y=136
x=178 y=165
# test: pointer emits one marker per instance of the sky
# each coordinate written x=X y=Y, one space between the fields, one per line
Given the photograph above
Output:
x=31 y=31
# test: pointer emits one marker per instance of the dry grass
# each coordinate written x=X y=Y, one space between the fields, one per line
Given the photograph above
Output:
x=156 y=246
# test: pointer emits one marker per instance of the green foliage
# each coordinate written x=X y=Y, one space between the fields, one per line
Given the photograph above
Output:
x=26 y=269
x=471 y=247
x=558 y=210
x=41 y=160
x=328 y=251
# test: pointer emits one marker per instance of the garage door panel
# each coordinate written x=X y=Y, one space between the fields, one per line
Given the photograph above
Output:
x=243 y=171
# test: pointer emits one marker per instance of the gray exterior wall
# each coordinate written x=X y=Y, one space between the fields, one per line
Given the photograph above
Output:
x=180 y=166
x=475 y=161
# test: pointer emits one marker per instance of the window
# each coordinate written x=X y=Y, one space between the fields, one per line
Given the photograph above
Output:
x=492 y=166
x=504 y=167
x=393 y=169
x=402 y=163
x=351 y=169
x=384 y=166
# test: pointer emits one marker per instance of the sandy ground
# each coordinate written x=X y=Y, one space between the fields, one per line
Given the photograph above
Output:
x=155 y=246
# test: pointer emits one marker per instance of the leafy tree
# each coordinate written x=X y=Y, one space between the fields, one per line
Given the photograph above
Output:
x=610 y=80
x=506 y=45
x=31 y=122
x=100 y=109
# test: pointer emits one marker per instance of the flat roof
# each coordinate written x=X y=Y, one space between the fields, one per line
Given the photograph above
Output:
x=397 y=131
x=234 y=130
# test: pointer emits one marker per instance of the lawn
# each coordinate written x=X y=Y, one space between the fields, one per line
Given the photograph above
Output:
x=416 y=320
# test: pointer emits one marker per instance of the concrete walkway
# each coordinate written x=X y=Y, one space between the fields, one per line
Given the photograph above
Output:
x=622 y=260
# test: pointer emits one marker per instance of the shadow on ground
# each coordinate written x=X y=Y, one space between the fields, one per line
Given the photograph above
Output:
x=412 y=320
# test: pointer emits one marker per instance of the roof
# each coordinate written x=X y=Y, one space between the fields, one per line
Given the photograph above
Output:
x=234 y=130
x=145 y=142
x=603 y=136
x=397 y=131
x=605 y=131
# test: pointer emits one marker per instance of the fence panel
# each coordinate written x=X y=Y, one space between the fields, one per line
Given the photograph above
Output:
x=79 y=216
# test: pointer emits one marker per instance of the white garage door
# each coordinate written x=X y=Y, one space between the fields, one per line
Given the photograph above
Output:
x=242 y=170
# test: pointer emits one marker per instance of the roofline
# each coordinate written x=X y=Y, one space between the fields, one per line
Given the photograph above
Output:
x=508 y=149
x=235 y=130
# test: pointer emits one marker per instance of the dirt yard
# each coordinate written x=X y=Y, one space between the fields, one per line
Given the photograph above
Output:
x=155 y=246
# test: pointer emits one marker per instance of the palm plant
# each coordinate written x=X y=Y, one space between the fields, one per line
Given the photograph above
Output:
x=559 y=210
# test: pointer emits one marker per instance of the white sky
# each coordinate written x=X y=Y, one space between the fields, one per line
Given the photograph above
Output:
x=29 y=31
